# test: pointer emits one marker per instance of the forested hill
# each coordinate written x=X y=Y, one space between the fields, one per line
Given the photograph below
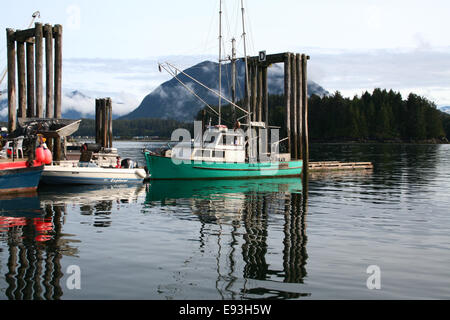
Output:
x=379 y=116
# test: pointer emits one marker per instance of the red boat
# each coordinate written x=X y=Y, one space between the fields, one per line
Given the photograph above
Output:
x=19 y=176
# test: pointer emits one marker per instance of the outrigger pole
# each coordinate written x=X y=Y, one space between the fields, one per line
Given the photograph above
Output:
x=173 y=74
x=204 y=86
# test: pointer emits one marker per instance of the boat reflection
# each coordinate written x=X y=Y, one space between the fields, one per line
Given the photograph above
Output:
x=35 y=247
x=31 y=226
x=237 y=212
x=90 y=194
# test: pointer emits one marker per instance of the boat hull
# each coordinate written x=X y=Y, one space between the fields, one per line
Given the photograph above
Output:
x=89 y=175
x=16 y=177
x=165 y=168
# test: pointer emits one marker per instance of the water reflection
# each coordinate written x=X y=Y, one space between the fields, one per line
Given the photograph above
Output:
x=238 y=213
x=35 y=246
x=31 y=227
x=97 y=201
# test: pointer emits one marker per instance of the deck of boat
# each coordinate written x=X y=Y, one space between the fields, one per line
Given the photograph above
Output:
x=6 y=160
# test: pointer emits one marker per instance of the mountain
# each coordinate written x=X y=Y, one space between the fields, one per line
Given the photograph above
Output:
x=173 y=101
x=445 y=109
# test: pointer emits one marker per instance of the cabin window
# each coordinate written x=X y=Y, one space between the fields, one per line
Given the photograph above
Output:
x=206 y=153
x=198 y=153
x=218 y=154
x=230 y=139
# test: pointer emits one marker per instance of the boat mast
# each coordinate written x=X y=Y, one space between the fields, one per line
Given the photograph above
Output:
x=233 y=79
x=247 y=89
x=220 y=61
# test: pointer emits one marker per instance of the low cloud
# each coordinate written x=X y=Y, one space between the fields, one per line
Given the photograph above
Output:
x=425 y=72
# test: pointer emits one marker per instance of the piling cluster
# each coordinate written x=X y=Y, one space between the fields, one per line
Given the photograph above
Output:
x=27 y=45
x=103 y=122
x=27 y=48
x=295 y=95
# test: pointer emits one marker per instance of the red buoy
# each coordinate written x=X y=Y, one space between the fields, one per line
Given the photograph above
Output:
x=48 y=158
x=40 y=155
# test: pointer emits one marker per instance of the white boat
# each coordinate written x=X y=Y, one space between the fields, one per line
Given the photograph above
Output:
x=70 y=172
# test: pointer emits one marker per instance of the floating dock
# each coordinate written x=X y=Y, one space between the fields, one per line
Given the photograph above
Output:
x=337 y=165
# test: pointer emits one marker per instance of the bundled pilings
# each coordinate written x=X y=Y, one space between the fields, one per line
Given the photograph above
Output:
x=27 y=46
x=103 y=122
x=295 y=95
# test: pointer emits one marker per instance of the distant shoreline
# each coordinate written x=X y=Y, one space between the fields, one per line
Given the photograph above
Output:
x=430 y=141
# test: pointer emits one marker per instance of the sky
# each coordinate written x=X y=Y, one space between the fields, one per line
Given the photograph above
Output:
x=111 y=48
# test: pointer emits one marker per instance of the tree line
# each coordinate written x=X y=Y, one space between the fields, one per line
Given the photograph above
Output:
x=144 y=127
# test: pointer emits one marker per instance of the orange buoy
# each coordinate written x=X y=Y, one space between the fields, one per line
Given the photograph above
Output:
x=40 y=155
x=48 y=158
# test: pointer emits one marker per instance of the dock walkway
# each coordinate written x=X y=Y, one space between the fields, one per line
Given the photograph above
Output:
x=337 y=165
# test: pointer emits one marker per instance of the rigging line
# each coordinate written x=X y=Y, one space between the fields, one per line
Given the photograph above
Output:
x=207 y=39
x=250 y=28
x=213 y=91
x=186 y=87
x=224 y=120
x=227 y=22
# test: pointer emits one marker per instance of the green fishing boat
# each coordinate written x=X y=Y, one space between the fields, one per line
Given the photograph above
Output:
x=220 y=155
x=217 y=152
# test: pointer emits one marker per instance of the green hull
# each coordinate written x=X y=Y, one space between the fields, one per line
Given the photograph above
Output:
x=164 y=168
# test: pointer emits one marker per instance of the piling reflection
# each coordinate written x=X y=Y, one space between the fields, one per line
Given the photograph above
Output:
x=35 y=247
x=255 y=248
x=31 y=227
x=237 y=214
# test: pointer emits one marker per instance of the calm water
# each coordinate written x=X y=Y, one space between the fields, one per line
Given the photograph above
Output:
x=240 y=239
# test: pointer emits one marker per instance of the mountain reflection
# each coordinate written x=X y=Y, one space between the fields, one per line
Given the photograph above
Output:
x=237 y=213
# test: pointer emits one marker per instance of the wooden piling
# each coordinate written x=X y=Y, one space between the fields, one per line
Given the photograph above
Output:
x=109 y=133
x=299 y=106
x=11 y=48
x=104 y=123
x=305 y=113
x=30 y=80
x=22 y=110
x=254 y=92
x=48 y=34
x=265 y=104
x=294 y=106
x=265 y=98
x=97 y=121
x=260 y=93
x=57 y=33
x=287 y=98
x=38 y=65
